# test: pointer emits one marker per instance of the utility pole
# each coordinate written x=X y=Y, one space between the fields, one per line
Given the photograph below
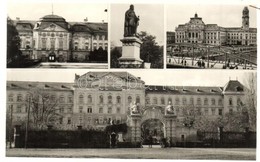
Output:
x=11 y=126
x=27 y=124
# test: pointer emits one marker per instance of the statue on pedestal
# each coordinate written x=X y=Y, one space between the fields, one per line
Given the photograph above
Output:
x=169 y=108
x=131 y=22
x=134 y=109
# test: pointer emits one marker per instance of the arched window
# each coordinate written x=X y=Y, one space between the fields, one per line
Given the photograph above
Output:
x=206 y=101
x=198 y=101
x=129 y=99
x=19 y=98
x=213 y=101
x=109 y=110
x=109 y=99
x=101 y=99
x=81 y=99
x=118 y=99
x=137 y=99
x=89 y=99
x=154 y=100
x=230 y=101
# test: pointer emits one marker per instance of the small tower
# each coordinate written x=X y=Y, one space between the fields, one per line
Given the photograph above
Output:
x=245 y=18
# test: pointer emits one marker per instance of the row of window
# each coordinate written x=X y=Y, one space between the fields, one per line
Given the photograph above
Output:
x=19 y=98
x=184 y=101
x=101 y=110
x=109 y=99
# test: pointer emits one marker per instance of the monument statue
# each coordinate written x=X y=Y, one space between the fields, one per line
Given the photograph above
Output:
x=134 y=109
x=169 y=108
x=131 y=22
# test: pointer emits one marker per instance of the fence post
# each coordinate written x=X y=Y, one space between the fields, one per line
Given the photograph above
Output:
x=17 y=137
x=220 y=134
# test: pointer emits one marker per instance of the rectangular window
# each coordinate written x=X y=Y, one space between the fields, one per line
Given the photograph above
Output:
x=100 y=110
x=69 y=110
x=213 y=111
x=44 y=42
x=220 y=112
x=81 y=109
x=89 y=110
x=52 y=43
x=60 y=43
x=69 y=120
x=118 y=110
x=109 y=110
x=19 y=109
x=100 y=119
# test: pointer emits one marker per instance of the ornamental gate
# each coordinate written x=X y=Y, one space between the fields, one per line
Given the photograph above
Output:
x=137 y=120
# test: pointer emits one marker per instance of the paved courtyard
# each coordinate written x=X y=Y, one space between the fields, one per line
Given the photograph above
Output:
x=141 y=153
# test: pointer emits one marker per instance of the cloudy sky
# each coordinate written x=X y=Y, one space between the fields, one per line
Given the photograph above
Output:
x=224 y=15
x=69 y=10
x=181 y=77
x=151 y=21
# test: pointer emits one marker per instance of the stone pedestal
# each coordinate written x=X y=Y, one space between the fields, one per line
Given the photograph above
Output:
x=130 y=53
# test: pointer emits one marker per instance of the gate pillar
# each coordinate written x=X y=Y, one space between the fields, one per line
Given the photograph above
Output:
x=135 y=127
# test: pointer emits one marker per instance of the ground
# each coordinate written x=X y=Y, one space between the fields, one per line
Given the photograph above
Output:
x=141 y=153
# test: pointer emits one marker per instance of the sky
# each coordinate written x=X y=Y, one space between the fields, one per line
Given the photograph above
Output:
x=69 y=10
x=151 y=21
x=178 y=77
x=224 y=15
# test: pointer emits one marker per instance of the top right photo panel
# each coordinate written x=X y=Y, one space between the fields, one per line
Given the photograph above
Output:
x=211 y=37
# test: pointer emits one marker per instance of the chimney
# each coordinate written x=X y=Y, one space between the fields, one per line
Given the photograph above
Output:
x=18 y=18
x=103 y=21
x=86 y=19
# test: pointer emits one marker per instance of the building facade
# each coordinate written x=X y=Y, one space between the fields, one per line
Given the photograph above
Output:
x=98 y=99
x=52 y=38
x=196 y=31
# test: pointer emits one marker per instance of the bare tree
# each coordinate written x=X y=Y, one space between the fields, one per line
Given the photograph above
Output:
x=43 y=109
x=251 y=99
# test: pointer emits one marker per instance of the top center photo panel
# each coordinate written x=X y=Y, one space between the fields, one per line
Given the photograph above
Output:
x=137 y=36
x=57 y=35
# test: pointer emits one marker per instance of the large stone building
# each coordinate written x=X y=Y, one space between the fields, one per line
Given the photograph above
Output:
x=196 y=31
x=97 y=98
x=52 y=38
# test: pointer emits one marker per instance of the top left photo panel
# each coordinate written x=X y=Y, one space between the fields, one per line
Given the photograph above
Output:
x=57 y=35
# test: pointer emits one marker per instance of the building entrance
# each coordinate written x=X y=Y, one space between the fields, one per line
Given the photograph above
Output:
x=152 y=129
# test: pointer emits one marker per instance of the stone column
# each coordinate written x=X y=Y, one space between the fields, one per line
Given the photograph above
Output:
x=135 y=125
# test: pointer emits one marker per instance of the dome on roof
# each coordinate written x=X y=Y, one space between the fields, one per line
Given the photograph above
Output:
x=53 y=18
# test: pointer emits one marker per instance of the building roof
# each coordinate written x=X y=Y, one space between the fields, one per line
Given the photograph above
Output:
x=55 y=18
x=24 y=85
x=98 y=75
x=198 y=90
x=233 y=86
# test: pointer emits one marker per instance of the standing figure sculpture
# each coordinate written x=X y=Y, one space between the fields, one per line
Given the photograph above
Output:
x=131 y=22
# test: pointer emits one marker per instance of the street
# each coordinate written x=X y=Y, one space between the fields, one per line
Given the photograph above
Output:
x=141 y=153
